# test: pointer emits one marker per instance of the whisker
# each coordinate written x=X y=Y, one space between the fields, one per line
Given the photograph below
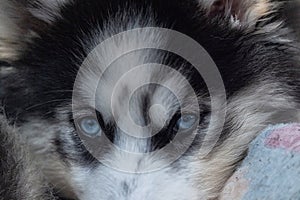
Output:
x=57 y=91
x=45 y=103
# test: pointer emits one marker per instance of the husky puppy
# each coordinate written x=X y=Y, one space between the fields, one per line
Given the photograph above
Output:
x=57 y=99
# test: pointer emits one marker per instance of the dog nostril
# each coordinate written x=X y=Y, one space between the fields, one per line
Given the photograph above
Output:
x=126 y=188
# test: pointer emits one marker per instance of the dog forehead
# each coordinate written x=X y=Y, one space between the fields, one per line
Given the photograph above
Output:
x=148 y=90
x=122 y=75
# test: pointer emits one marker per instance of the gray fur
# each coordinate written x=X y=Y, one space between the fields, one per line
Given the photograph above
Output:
x=20 y=176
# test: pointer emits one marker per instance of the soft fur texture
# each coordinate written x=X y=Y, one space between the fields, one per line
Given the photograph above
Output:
x=256 y=53
x=20 y=176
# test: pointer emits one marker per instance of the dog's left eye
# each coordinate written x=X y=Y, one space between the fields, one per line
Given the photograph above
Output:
x=186 y=122
x=90 y=126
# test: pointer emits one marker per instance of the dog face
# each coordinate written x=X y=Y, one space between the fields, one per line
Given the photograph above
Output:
x=100 y=128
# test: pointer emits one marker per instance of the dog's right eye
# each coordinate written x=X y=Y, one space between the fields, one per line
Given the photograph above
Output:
x=90 y=126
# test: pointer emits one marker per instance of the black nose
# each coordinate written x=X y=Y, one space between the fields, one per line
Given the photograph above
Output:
x=126 y=188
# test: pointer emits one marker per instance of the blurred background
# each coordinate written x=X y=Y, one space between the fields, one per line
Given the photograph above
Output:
x=292 y=13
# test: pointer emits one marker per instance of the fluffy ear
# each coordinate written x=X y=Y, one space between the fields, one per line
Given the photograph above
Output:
x=21 y=20
x=242 y=12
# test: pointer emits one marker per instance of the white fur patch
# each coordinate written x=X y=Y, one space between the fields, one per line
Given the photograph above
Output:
x=111 y=184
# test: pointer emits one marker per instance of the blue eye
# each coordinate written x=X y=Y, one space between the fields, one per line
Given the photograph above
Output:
x=186 y=122
x=90 y=126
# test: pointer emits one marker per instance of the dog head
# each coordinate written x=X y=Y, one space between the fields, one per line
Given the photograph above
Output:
x=118 y=98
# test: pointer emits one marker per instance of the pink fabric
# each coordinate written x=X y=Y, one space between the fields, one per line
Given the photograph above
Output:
x=287 y=138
